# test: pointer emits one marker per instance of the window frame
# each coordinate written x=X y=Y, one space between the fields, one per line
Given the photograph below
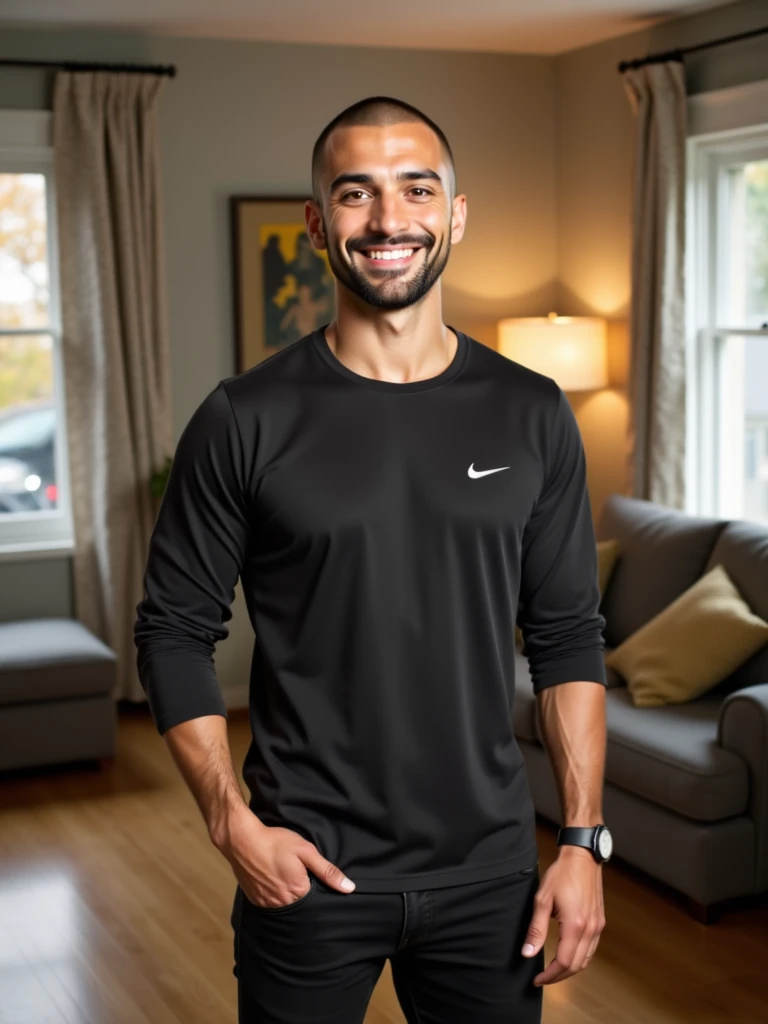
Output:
x=725 y=127
x=26 y=147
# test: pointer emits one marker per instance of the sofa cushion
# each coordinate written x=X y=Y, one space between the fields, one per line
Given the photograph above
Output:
x=662 y=552
x=607 y=554
x=742 y=550
x=52 y=659
x=692 y=645
x=670 y=756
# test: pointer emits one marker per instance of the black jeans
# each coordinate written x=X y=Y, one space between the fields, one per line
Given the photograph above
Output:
x=454 y=952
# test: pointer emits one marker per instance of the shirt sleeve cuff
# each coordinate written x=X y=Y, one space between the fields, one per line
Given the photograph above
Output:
x=184 y=714
x=583 y=665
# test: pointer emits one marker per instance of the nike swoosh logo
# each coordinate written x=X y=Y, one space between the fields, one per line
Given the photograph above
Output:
x=475 y=473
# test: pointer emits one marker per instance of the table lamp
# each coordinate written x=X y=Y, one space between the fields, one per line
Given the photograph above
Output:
x=570 y=349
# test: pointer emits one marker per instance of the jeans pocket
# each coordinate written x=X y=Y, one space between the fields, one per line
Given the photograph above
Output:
x=287 y=907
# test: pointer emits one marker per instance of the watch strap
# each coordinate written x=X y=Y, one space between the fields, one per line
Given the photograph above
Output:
x=572 y=835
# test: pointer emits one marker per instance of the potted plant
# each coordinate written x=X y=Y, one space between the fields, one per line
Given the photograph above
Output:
x=159 y=479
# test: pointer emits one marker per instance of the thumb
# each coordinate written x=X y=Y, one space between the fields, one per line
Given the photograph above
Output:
x=538 y=928
x=327 y=871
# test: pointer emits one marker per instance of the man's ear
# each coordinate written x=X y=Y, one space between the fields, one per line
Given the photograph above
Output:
x=315 y=227
x=458 y=218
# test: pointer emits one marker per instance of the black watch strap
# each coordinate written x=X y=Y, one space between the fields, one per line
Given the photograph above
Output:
x=573 y=835
x=589 y=838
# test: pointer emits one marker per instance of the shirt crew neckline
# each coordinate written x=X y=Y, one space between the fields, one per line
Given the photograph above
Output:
x=410 y=387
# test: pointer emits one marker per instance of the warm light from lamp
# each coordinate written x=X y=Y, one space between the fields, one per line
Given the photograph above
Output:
x=570 y=349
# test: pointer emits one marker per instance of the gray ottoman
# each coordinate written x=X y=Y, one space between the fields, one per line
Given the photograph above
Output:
x=56 y=704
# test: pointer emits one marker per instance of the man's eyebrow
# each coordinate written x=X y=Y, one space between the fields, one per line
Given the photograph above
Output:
x=351 y=179
x=427 y=172
x=368 y=179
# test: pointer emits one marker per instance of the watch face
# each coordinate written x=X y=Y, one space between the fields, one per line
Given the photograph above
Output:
x=605 y=844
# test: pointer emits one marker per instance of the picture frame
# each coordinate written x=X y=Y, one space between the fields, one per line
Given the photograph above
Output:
x=283 y=288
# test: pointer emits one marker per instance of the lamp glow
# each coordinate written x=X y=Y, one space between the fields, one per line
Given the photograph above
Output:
x=570 y=349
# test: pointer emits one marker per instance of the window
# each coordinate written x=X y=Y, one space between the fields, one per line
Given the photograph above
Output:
x=727 y=304
x=35 y=513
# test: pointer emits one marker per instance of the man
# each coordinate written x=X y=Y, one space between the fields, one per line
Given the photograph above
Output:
x=393 y=495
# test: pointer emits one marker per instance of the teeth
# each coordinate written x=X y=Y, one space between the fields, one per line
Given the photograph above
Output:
x=391 y=254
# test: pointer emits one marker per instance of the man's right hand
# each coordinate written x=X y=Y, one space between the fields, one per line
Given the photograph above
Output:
x=270 y=863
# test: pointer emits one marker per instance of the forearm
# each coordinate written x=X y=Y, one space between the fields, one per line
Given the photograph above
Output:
x=572 y=717
x=200 y=748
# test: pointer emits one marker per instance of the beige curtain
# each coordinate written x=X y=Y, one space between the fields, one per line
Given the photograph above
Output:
x=656 y=433
x=115 y=340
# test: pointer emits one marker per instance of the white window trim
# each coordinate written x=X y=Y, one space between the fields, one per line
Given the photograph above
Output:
x=26 y=144
x=724 y=126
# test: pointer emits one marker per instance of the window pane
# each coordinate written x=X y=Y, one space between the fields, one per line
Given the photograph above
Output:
x=756 y=428
x=742 y=477
x=27 y=424
x=747 y=268
x=23 y=251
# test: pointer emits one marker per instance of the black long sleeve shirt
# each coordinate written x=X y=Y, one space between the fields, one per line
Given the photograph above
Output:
x=388 y=536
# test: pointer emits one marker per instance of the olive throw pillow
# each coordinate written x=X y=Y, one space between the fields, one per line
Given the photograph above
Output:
x=690 y=646
x=607 y=553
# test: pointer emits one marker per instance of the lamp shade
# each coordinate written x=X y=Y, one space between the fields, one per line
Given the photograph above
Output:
x=570 y=349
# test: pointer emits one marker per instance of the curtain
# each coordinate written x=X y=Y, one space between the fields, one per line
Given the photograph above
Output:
x=656 y=432
x=116 y=350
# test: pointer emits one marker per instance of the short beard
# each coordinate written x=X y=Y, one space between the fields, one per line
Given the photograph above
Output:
x=412 y=291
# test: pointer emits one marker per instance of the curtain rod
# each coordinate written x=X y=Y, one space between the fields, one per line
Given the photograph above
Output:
x=657 y=58
x=77 y=65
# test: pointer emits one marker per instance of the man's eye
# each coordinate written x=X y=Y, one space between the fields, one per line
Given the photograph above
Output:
x=424 y=191
x=355 y=193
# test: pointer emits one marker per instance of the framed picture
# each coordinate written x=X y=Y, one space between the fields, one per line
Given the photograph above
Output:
x=283 y=288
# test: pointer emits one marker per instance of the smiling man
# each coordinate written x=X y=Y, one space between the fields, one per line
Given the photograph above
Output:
x=393 y=495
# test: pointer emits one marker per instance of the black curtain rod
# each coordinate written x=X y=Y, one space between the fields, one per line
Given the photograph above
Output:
x=658 y=58
x=78 y=65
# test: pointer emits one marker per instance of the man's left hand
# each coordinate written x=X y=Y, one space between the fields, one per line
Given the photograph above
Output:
x=572 y=891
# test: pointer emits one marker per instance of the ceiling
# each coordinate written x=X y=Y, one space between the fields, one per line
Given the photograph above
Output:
x=546 y=27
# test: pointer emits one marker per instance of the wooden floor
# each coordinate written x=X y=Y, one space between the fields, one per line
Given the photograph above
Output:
x=114 y=909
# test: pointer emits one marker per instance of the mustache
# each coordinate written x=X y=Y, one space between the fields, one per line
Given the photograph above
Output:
x=403 y=241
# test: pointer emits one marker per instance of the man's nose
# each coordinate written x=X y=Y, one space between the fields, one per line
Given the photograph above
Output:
x=388 y=216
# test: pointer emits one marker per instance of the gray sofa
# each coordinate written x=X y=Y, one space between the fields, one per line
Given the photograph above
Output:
x=686 y=786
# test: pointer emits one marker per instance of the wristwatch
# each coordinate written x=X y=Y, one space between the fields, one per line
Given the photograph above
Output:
x=597 y=839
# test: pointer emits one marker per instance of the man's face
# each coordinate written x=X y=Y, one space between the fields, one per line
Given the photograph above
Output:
x=387 y=217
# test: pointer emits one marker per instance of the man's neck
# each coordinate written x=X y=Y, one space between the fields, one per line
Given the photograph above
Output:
x=399 y=345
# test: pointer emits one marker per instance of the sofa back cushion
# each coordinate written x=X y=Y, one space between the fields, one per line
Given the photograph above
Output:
x=662 y=553
x=742 y=549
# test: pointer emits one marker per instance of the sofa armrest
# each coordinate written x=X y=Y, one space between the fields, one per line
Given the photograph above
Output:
x=743 y=729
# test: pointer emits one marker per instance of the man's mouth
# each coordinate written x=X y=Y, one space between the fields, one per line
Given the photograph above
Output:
x=389 y=258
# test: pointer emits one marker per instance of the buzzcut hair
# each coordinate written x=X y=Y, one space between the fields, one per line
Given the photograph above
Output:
x=379 y=111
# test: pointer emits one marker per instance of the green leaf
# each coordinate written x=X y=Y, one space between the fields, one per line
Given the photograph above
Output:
x=159 y=479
